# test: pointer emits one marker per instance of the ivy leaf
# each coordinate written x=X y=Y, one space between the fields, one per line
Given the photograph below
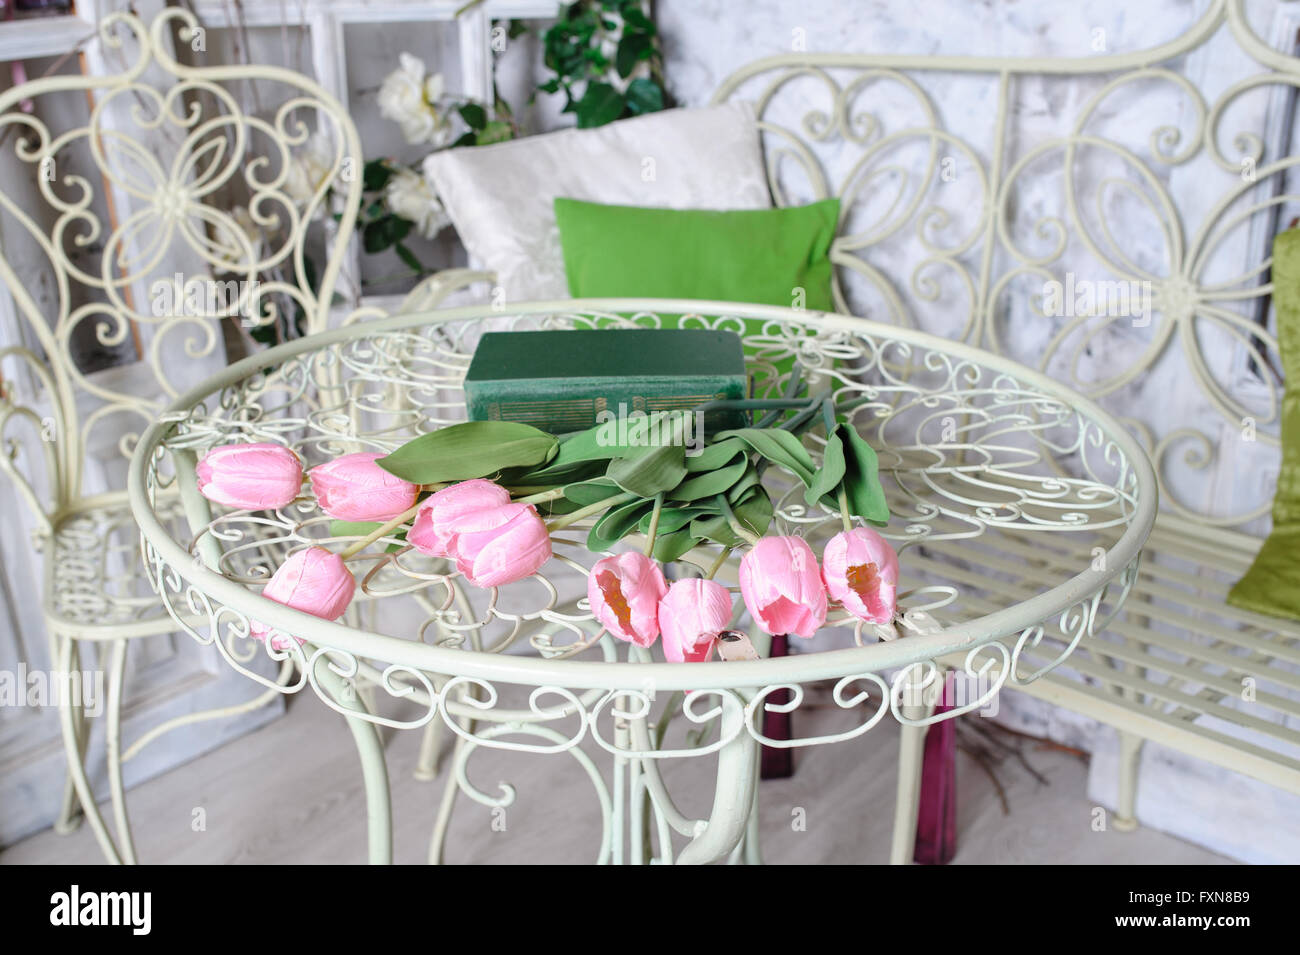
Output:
x=375 y=174
x=471 y=449
x=644 y=95
x=374 y=238
x=496 y=131
x=474 y=115
x=407 y=256
x=632 y=49
x=600 y=104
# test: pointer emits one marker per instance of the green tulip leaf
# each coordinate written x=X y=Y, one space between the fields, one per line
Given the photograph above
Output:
x=615 y=524
x=780 y=447
x=671 y=519
x=670 y=547
x=715 y=455
x=862 y=479
x=711 y=483
x=651 y=471
x=471 y=449
x=831 y=473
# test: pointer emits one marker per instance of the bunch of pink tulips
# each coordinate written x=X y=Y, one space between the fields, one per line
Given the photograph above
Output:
x=494 y=540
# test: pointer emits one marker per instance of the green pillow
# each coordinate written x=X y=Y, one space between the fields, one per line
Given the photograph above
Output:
x=1272 y=585
x=745 y=255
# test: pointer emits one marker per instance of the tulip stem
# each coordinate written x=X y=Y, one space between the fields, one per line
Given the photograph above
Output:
x=717 y=564
x=541 y=497
x=733 y=522
x=653 y=530
x=587 y=511
x=843 y=496
x=378 y=532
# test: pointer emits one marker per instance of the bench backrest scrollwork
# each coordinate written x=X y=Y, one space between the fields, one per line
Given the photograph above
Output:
x=1107 y=219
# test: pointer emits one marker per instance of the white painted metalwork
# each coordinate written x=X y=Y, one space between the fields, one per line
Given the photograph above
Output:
x=975 y=451
x=1165 y=168
x=169 y=148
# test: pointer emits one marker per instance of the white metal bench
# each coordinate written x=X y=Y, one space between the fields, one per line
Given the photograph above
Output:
x=1154 y=183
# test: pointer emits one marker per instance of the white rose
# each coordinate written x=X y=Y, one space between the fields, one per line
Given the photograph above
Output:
x=410 y=99
x=309 y=168
x=410 y=196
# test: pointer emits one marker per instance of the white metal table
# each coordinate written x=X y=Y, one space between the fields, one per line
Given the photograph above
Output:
x=980 y=458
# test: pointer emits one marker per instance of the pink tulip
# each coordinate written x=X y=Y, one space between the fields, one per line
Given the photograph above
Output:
x=496 y=546
x=254 y=477
x=313 y=580
x=355 y=488
x=691 y=616
x=782 y=586
x=440 y=515
x=624 y=593
x=861 y=572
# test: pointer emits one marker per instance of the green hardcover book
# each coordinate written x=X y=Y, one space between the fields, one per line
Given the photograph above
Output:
x=568 y=380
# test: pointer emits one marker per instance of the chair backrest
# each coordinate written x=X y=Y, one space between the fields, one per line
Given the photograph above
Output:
x=128 y=271
x=1107 y=218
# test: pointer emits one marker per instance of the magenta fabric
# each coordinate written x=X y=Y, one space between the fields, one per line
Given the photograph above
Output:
x=775 y=762
x=936 y=821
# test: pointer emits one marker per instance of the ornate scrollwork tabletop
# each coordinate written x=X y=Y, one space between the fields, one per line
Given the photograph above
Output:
x=1019 y=511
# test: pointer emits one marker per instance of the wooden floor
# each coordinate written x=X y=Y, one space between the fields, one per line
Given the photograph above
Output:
x=291 y=793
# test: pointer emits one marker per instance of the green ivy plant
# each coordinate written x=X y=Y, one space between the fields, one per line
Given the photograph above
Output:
x=595 y=50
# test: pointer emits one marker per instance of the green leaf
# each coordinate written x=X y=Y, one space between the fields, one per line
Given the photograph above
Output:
x=407 y=256
x=589 y=492
x=780 y=447
x=632 y=49
x=374 y=238
x=862 y=478
x=466 y=139
x=644 y=95
x=474 y=115
x=711 y=483
x=670 y=547
x=651 y=471
x=600 y=104
x=671 y=519
x=494 y=132
x=375 y=175
x=831 y=473
x=615 y=524
x=715 y=455
x=471 y=449
x=396 y=228
x=755 y=511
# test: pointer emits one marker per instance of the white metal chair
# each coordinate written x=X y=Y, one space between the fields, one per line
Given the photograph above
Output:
x=141 y=275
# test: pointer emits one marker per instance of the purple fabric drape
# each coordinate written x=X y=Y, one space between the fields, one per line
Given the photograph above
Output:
x=936 y=822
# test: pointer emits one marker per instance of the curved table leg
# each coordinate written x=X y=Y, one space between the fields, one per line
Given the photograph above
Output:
x=113 y=750
x=76 y=764
x=374 y=768
x=733 y=799
x=911 y=749
x=69 y=815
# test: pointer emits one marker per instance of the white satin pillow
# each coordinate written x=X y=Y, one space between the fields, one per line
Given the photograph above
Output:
x=500 y=197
